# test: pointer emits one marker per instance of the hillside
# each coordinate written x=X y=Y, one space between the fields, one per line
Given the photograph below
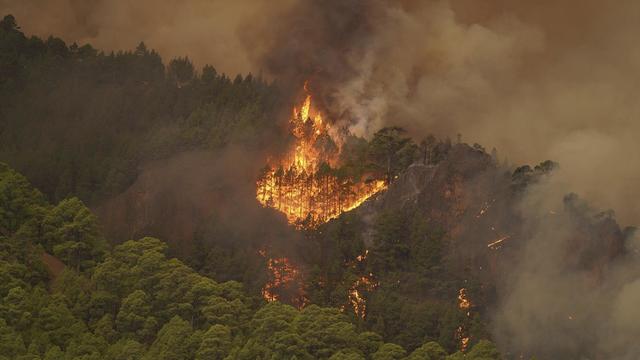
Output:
x=180 y=213
x=132 y=302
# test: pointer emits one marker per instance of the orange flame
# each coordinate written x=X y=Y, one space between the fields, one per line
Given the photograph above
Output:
x=302 y=185
x=356 y=299
x=283 y=274
x=461 y=332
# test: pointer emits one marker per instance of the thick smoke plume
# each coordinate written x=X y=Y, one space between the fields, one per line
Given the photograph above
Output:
x=535 y=80
x=568 y=290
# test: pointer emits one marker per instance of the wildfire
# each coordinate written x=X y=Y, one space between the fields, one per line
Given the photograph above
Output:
x=283 y=275
x=461 y=332
x=362 y=257
x=463 y=302
x=303 y=185
x=357 y=301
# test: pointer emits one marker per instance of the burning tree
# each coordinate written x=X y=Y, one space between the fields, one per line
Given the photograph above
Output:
x=304 y=184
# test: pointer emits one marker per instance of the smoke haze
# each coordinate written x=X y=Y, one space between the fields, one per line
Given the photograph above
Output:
x=567 y=292
x=535 y=79
x=207 y=31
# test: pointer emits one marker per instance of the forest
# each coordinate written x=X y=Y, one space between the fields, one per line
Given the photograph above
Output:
x=67 y=294
x=111 y=249
x=71 y=124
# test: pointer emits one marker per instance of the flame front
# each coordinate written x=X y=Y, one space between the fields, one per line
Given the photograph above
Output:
x=303 y=185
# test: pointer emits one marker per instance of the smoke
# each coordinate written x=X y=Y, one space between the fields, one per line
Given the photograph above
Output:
x=535 y=79
x=205 y=30
x=571 y=290
x=208 y=193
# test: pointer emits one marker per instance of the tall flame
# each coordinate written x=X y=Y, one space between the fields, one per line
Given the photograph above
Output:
x=303 y=185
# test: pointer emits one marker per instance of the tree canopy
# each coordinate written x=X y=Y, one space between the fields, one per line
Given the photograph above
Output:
x=133 y=302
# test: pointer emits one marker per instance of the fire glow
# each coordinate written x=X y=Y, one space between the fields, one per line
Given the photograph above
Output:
x=303 y=185
x=357 y=301
x=282 y=275
x=462 y=332
x=364 y=283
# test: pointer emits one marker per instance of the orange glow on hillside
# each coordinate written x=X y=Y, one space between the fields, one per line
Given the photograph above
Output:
x=302 y=184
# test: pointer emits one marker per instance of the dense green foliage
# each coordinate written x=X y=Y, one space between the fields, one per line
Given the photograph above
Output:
x=71 y=118
x=132 y=302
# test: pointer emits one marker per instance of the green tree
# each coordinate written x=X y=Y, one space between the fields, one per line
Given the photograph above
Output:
x=105 y=329
x=273 y=336
x=390 y=151
x=8 y=23
x=181 y=70
x=484 y=350
x=175 y=341
x=125 y=349
x=15 y=309
x=216 y=343
x=19 y=201
x=11 y=344
x=76 y=290
x=86 y=346
x=429 y=351
x=72 y=234
x=54 y=353
x=58 y=323
x=389 y=351
x=348 y=354
x=133 y=314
